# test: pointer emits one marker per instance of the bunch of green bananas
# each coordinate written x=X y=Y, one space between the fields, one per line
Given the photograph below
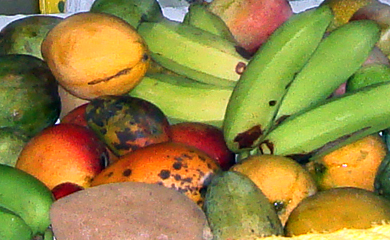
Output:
x=281 y=103
x=24 y=206
x=276 y=101
x=201 y=64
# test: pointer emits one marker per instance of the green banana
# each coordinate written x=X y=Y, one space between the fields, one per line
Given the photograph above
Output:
x=26 y=196
x=13 y=227
x=183 y=99
x=337 y=57
x=200 y=16
x=193 y=52
x=368 y=75
x=333 y=124
x=258 y=93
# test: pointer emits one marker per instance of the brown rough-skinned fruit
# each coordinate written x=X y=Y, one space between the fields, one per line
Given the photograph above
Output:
x=129 y=210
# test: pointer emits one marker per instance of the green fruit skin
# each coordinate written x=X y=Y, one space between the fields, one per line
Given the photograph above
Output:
x=25 y=35
x=29 y=99
x=368 y=75
x=236 y=208
x=13 y=227
x=11 y=144
x=132 y=11
x=26 y=196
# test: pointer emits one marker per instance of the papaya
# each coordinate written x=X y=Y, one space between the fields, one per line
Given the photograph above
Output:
x=29 y=99
x=25 y=35
x=132 y=11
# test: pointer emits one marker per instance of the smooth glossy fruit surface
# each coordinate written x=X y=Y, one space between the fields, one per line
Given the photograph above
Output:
x=354 y=165
x=174 y=165
x=237 y=209
x=134 y=11
x=11 y=144
x=25 y=35
x=64 y=189
x=207 y=138
x=126 y=123
x=283 y=181
x=336 y=209
x=29 y=100
x=64 y=153
x=252 y=22
x=76 y=116
x=95 y=54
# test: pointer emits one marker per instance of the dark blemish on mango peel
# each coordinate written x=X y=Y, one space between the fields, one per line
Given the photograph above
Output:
x=126 y=172
x=109 y=174
x=164 y=174
x=120 y=73
x=177 y=165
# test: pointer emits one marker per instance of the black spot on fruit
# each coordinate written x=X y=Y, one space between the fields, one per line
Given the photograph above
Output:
x=177 y=165
x=164 y=174
x=126 y=172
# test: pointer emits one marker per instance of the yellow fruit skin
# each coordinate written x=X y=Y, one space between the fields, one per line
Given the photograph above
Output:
x=338 y=208
x=354 y=165
x=281 y=179
x=343 y=10
x=95 y=54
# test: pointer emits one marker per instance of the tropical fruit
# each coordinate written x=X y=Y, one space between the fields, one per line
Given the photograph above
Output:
x=282 y=180
x=336 y=209
x=132 y=11
x=29 y=100
x=237 y=209
x=94 y=54
x=11 y=144
x=174 y=165
x=354 y=165
x=25 y=35
x=126 y=123
x=343 y=10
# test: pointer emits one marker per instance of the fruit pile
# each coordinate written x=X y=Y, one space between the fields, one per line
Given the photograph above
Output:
x=243 y=121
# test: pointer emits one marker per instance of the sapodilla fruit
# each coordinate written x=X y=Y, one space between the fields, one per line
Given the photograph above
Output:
x=95 y=54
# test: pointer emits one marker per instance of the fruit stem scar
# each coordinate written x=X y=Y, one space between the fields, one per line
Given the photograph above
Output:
x=120 y=73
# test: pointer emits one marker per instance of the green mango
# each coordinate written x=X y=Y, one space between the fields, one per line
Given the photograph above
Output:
x=237 y=209
x=11 y=144
x=132 y=11
x=29 y=99
x=25 y=35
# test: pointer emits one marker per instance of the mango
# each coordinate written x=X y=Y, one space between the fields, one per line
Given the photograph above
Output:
x=237 y=209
